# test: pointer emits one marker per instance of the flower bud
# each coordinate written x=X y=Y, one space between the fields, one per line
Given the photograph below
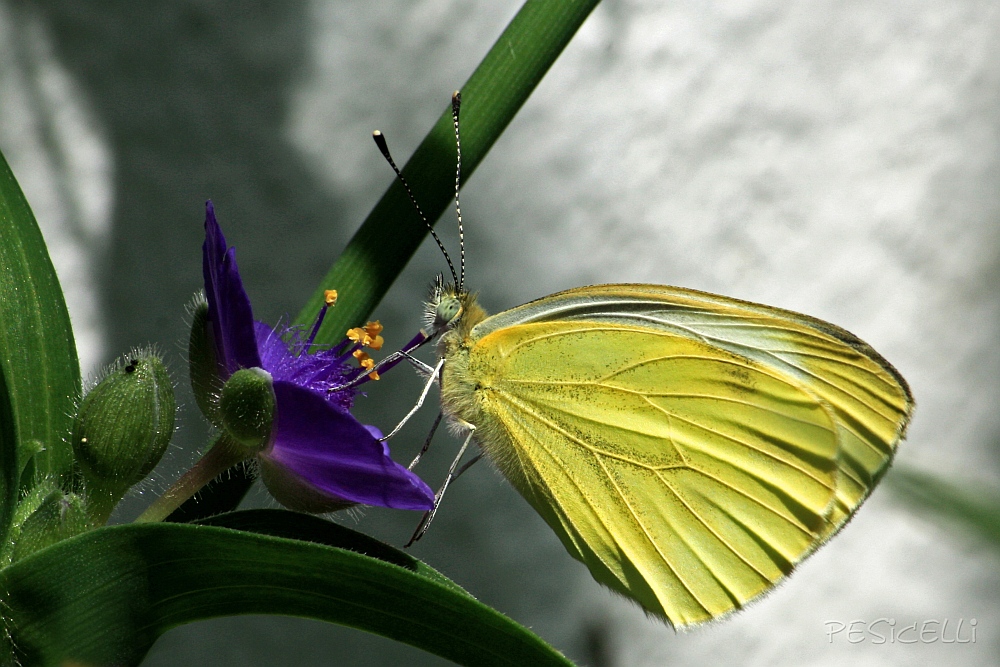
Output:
x=202 y=361
x=52 y=516
x=122 y=428
x=246 y=407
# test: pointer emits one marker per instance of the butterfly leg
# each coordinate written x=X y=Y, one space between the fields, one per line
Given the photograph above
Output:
x=468 y=465
x=425 y=522
x=431 y=379
x=421 y=367
x=427 y=442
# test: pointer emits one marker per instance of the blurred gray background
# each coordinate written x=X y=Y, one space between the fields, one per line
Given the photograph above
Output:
x=836 y=158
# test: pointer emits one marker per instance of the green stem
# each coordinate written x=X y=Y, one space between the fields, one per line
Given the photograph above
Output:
x=100 y=504
x=223 y=455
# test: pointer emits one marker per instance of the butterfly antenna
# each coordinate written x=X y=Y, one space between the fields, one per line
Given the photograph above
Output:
x=384 y=148
x=456 y=104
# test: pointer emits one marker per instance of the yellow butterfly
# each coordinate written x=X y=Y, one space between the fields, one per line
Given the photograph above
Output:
x=690 y=449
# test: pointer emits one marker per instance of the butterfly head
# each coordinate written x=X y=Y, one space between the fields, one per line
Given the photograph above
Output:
x=448 y=307
x=444 y=308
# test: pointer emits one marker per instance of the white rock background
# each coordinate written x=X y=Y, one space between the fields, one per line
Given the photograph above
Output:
x=836 y=158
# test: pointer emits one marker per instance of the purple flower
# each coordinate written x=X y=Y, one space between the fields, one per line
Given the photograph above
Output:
x=318 y=457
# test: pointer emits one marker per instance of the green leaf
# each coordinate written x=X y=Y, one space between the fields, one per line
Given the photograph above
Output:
x=8 y=458
x=490 y=98
x=308 y=528
x=957 y=504
x=105 y=596
x=39 y=372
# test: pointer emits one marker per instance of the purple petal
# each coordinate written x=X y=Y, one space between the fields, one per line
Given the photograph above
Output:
x=228 y=303
x=335 y=454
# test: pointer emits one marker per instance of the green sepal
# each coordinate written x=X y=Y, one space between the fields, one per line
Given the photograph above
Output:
x=122 y=428
x=246 y=407
x=294 y=492
x=45 y=516
x=203 y=365
x=31 y=501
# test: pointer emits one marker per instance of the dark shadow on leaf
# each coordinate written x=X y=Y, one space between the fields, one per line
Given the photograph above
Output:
x=297 y=526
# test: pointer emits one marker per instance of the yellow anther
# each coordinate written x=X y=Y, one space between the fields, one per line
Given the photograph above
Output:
x=374 y=340
x=366 y=361
x=367 y=335
x=330 y=297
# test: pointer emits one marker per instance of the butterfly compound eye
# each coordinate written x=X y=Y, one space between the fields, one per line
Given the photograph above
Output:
x=448 y=310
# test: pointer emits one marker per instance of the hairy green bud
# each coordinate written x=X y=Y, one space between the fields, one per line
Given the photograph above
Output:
x=246 y=407
x=122 y=428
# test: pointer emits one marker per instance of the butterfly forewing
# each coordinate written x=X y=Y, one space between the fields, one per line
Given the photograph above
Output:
x=690 y=449
x=870 y=399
